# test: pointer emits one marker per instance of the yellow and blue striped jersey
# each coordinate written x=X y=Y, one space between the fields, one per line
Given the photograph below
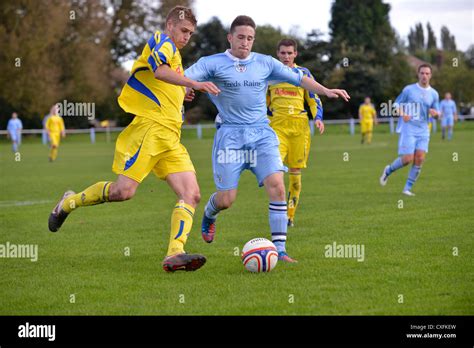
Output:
x=55 y=124
x=144 y=95
x=284 y=99
x=367 y=112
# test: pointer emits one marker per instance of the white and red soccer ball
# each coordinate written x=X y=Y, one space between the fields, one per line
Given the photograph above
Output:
x=259 y=255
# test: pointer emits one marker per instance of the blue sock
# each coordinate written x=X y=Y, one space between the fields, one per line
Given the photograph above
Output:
x=211 y=209
x=15 y=147
x=278 y=224
x=450 y=133
x=397 y=164
x=412 y=176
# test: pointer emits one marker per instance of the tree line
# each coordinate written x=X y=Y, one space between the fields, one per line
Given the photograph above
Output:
x=55 y=50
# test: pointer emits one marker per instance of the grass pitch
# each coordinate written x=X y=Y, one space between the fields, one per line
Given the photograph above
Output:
x=418 y=250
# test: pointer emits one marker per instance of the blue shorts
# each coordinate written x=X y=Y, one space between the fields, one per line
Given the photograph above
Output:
x=237 y=148
x=15 y=137
x=409 y=143
x=447 y=121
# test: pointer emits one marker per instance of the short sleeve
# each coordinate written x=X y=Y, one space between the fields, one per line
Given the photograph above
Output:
x=280 y=72
x=199 y=71
x=162 y=51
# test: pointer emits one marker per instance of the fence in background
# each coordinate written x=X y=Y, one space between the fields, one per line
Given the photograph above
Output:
x=199 y=127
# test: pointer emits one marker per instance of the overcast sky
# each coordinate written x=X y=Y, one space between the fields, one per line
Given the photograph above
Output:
x=457 y=15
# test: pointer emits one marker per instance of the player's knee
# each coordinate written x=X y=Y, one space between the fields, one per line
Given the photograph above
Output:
x=123 y=193
x=226 y=201
x=192 y=197
x=419 y=161
x=406 y=160
x=278 y=191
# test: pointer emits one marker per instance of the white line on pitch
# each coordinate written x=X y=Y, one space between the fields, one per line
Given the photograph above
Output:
x=4 y=204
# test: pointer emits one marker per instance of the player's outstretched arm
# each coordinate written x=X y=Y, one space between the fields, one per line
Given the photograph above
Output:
x=315 y=87
x=165 y=73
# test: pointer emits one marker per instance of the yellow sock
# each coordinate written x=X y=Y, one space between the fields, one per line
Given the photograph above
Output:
x=369 y=137
x=181 y=222
x=53 y=153
x=95 y=194
x=294 y=190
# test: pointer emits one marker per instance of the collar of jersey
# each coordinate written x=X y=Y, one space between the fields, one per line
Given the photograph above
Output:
x=238 y=60
x=423 y=88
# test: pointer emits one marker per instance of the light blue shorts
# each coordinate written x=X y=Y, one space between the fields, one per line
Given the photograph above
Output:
x=237 y=148
x=15 y=137
x=447 y=121
x=409 y=143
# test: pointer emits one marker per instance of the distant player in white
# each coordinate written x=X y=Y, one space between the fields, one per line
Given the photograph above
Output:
x=14 y=128
x=415 y=104
x=448 y=115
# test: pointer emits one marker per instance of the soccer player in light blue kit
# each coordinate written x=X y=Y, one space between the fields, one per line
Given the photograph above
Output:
x=244 y=139
x=415 y=104
x=448 y=114
x=14 y=128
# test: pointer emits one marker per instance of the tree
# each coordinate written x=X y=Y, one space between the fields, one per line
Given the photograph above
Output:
x=431 y=42
x=363 y=52
x=134 y=21
x=448 y=41
x=416 y=39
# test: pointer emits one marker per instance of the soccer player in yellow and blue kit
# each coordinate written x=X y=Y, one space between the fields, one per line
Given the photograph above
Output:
x=289 y=120
x=367 y=118
x=154 y=93
x=55 y=128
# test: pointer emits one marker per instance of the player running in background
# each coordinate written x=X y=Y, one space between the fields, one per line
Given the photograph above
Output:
x=14 y=128
x=244 y=139
x=448 y=115
x=367 y=118
x=289 y=120
x=154 y=93
x=55 y=128
x=415 y=104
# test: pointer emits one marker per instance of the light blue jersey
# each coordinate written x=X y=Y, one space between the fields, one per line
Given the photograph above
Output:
x=243 y=84
x=447 y=107
x=244 y=140
x=14 y=127
x=416 y=101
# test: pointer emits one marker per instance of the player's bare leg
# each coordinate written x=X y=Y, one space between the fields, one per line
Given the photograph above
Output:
x=104 y=191
x=218 y=201
x=185 y=185
x=277 y=209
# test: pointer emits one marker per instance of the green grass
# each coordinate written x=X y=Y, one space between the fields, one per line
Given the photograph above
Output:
x=408 y=251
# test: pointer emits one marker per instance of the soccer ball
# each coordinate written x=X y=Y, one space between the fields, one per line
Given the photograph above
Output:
x=259 y=255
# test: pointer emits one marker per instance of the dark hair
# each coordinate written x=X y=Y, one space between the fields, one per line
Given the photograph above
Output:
x=288 y=43
x=179 y=13
x=425 y=65
x=242 y=20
